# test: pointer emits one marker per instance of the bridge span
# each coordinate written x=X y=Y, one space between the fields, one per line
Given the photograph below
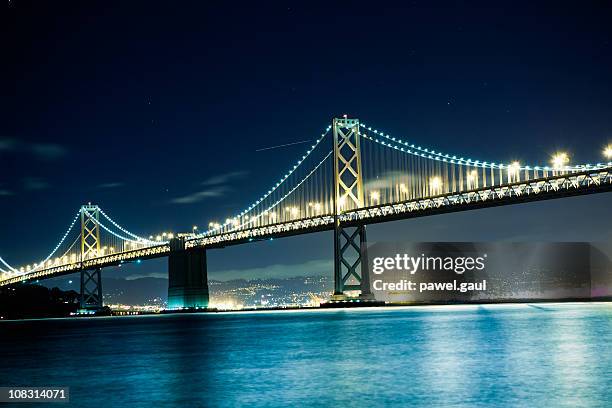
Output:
x=351 y=177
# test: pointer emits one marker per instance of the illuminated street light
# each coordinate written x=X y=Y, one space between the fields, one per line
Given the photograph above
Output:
x=472 y=179
x=435 y=184
x=607 y=152
x=559 y=161
x=514 y=169
x=375 y=197
x=315 y=206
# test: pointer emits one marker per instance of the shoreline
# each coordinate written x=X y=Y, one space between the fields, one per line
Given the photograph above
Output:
x=354 y=306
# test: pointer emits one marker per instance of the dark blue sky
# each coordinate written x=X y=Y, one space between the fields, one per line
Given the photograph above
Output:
x=132 y=105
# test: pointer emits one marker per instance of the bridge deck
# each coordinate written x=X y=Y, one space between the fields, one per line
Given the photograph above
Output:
x=581 y=183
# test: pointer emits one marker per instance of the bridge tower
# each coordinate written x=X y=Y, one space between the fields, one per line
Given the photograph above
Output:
x=187 y=276
x=91 y=280
x=350 y=243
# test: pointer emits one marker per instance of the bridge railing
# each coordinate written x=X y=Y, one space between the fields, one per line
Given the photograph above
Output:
x=568 y=183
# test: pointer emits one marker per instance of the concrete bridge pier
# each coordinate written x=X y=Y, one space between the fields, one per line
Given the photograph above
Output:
x=187 y=277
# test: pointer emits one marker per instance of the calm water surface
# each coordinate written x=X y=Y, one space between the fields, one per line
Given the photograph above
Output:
x=557 y=355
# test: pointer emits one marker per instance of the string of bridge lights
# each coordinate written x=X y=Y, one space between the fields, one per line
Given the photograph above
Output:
x=120 y=228
x=37 y=266
x=140 y=241
x=137 y=239
x=7 y=265
x=274 y=188
x=559 y=160
x=251 y=220
x=71 y=246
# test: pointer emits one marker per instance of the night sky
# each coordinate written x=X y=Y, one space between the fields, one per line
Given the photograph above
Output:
x=156 y=110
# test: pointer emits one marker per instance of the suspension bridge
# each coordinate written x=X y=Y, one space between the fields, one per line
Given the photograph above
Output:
x=352 y=176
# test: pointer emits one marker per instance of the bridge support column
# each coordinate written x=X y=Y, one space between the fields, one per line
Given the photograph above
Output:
x=351 y=263
x=91 y=289
x=187 y=277
x=350 y=243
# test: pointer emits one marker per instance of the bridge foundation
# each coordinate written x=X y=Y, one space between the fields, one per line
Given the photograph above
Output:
x=187 y=277
x=91 y=290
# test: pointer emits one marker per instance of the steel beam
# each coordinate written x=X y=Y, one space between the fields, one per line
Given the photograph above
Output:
x=91 y=289
x=90 y=231
x=351 y=262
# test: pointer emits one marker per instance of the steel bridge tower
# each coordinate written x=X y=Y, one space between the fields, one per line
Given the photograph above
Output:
x=350 y=243
x=91 y=280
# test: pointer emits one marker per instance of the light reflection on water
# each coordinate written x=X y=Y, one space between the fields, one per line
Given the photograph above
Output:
x=492 y=355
